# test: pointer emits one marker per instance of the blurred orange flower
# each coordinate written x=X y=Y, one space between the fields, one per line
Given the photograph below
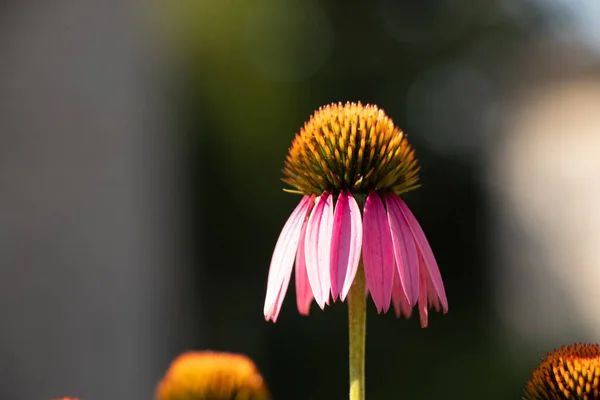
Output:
x=208 y=375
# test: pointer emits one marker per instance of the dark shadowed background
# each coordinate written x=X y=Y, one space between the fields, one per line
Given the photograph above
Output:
x=140 y=192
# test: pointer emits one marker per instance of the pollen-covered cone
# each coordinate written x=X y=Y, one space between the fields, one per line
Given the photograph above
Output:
x=208 y=375
x=351 y=164
x=570 y=373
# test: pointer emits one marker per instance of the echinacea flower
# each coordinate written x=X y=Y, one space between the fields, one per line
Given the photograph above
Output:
x=572 y=372
x=67 y=398
x=210 y=375
x=351 y=163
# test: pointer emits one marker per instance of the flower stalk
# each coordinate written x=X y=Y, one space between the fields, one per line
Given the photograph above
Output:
x=357 y=324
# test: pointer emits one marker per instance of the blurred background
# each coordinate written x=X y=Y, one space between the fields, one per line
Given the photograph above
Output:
x=140 y=193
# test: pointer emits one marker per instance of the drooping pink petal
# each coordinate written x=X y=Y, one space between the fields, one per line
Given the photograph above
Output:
x=426 y=253
x=346 y=241
x=282 y=261
x=378 y=252
x=433 y=299
x=423 y=312
x=399 y=299
x=304 y=295
x=428 y=296
x=317 y=248
x=405 y=251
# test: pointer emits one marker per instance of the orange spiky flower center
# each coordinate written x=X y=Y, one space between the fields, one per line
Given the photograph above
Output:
x=350 y=147
x=572 y=372
x=208 y=375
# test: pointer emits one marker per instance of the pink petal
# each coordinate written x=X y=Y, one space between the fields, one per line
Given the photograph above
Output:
x=317 y=248
x=399 y=299
x=345 y=245
x=304 y=294
x=282 y=261
x=432 y=298
x=423 y=300
x=378 y=252
x=426 y=253
x=405 y=251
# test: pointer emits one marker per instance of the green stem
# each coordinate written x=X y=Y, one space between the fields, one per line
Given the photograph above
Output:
x=357 y=323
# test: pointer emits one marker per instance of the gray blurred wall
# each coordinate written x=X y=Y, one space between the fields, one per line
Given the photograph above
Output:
x=90 y=293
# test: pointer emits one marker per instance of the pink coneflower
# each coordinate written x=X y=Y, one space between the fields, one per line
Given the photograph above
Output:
x=351 y=234
x=351 y=163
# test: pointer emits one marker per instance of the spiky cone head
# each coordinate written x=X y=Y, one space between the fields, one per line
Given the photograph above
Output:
x=569 y=373
x=350 y=147
x=209 y=375
x=350 y=163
